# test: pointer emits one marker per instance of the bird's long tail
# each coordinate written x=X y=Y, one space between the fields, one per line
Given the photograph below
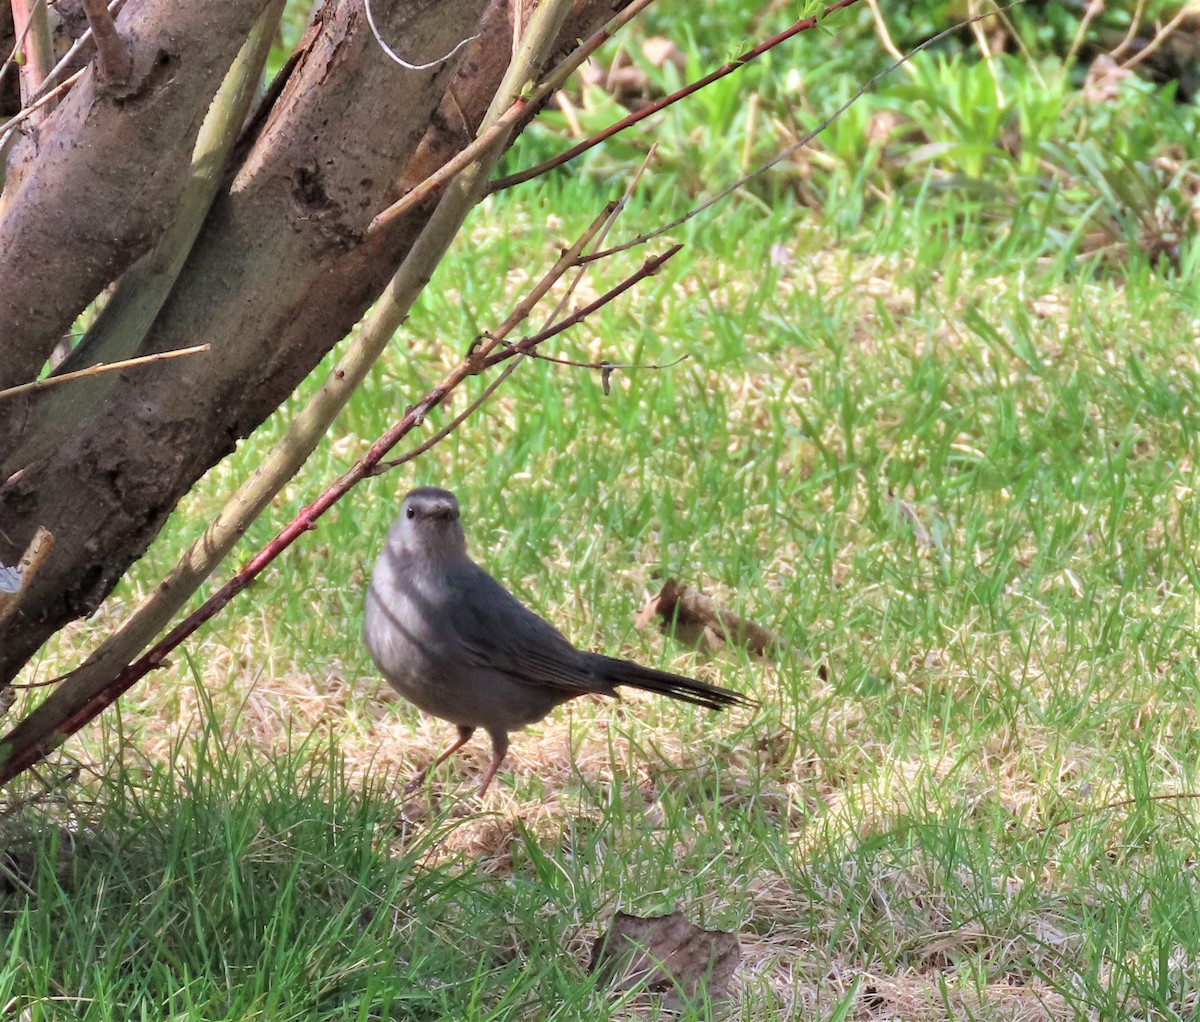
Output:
x=622 y=672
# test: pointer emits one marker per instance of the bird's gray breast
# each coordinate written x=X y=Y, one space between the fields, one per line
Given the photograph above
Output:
x=449 y=638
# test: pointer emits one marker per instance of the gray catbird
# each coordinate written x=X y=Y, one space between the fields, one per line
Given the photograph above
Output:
x=452 y=640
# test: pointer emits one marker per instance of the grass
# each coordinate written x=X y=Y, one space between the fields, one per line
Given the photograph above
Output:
x=954 y=466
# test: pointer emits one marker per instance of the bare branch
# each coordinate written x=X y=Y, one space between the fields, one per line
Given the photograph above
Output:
x=784 y=153
x=99 y=368
x=804 y=25
x=510 y=120
x=32 y=25
x=648 y=269
x=21 y=750
x=113 y=60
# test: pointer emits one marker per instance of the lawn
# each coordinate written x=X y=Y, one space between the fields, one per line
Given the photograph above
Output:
x=935 y=428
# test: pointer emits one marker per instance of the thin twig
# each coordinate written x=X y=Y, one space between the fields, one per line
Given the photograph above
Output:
x=610 y=219
x=1160 y=37
x=1123 y=803
x=101 y=367
x=571 y=257
x=47 y=683
x=583 y=262
x=1135 y=21
x=606 y=366
x=885 y=36
x=804 y=25
x=10 y=126
x=451 y=426
x=800 y=143
x=510 y=120
x=649 y=268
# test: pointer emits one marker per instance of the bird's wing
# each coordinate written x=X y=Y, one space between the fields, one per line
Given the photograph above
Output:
x=503 y=635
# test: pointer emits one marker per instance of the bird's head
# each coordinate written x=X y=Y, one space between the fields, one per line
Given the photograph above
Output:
x=429 y=524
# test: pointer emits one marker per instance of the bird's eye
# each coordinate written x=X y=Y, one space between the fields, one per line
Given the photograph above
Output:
x=410 y=512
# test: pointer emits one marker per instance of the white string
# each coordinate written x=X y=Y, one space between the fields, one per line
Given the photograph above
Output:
x=399 y=59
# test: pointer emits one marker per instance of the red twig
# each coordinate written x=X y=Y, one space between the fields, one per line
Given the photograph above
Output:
x=523 y=347
x=638 y=115
x=511 y=121
x=800 y=143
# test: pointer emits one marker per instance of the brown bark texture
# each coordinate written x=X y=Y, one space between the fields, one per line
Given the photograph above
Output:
x=90 y=188
x=281 y=270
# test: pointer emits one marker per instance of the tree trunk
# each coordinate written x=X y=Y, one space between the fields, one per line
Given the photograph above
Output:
x=90 y=189
x=282 y=267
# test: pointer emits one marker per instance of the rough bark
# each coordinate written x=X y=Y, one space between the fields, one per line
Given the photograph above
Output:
x=282 y=269
x=91 y=187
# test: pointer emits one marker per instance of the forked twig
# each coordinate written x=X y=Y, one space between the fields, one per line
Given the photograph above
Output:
x=803 y=25
x=508 y=121
x=803 y=141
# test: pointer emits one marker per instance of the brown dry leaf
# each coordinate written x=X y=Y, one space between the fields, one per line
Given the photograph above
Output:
x=660 y=50
x=1102 y=84
x=881 y=127
x=669 y=955
x=696 y=619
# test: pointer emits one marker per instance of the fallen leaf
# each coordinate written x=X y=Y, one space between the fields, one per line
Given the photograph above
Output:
x=660 y=50
x=1103 y=82
x=670 y=956
x=697 y=619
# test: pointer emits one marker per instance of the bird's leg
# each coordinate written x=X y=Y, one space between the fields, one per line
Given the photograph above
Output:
x=499 y=751
x=464 y=736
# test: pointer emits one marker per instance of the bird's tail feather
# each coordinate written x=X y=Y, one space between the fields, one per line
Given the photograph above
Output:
x=622 y=672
